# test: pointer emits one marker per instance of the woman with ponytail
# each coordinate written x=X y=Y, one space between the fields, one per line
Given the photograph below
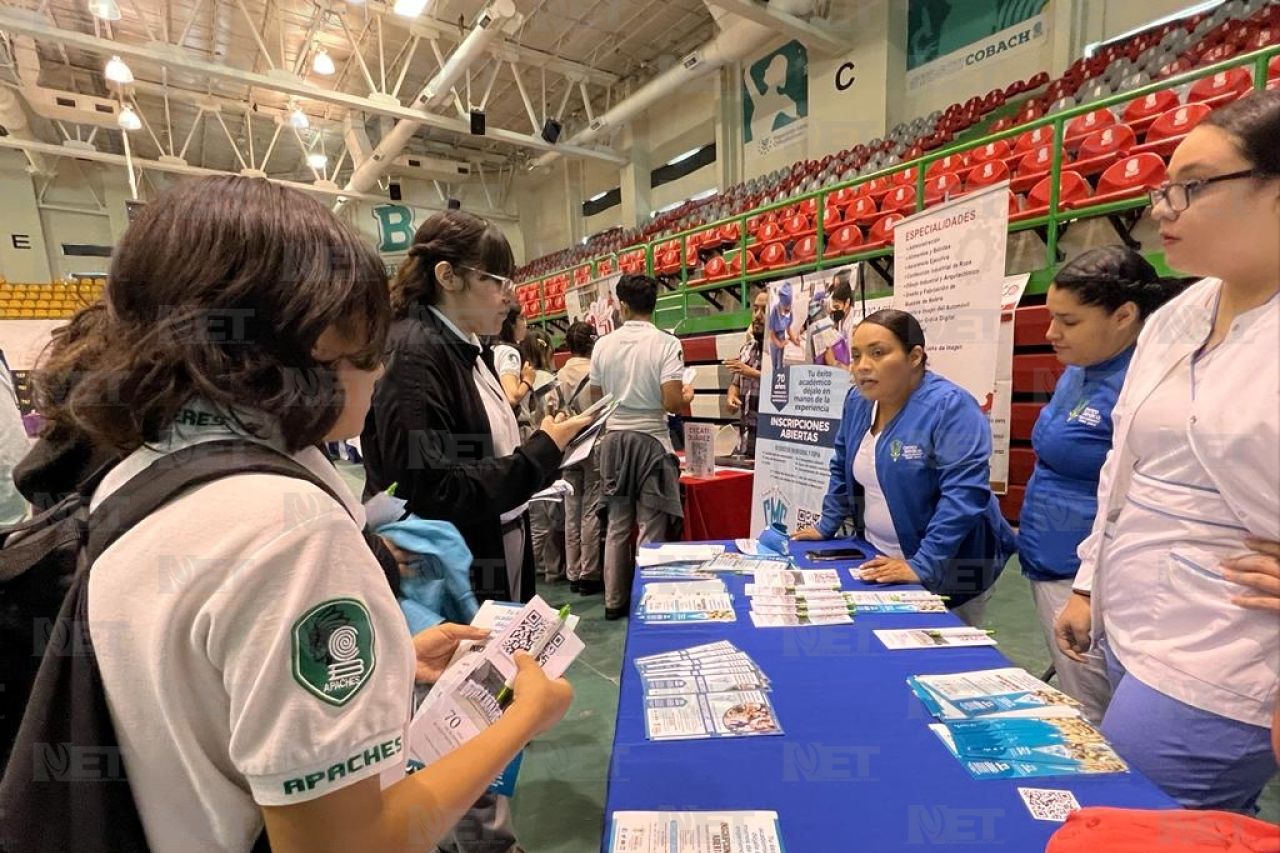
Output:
x=1097 y=305
x=441 y=428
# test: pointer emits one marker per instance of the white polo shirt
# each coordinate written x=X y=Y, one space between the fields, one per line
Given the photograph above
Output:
x=251 y=650
x=631 y=364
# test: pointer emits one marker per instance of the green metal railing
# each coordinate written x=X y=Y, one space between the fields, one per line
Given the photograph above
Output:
x=1052 y=221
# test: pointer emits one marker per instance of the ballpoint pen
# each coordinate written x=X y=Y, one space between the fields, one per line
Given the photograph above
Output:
x=504 y=695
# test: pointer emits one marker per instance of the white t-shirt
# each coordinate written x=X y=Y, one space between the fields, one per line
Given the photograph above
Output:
x=506 y=360
x=876 y=520
x=251 y=650
x=631 y=364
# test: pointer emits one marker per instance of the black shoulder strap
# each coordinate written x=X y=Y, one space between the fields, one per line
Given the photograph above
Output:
x=172 y=474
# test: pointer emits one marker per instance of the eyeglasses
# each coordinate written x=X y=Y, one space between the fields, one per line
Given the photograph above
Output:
x=1178 y=196
x=504 y=283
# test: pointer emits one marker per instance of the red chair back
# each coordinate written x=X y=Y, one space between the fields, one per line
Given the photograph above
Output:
x=882 y=231
x=773 y=255
x=1107 y=141
x=986 y=174
x=1082 y=126
x=950 y=163
x=998 y=150
x=805 y=250
x=1145 y=171
x=1232 y=81
x=1033 y=139
x=1037 y=162
x=1177 y=122
x=844 y=239
x=938 y=189
x=902 y=198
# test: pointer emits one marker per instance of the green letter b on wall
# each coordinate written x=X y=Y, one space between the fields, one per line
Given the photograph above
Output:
x=395 y=227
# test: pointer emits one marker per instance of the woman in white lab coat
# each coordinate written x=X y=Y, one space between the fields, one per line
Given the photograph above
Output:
x=1189 y=498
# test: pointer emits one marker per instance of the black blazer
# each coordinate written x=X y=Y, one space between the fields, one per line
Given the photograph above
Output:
x=427 y=431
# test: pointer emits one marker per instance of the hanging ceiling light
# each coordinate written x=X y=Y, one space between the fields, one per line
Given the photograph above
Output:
x=128 y=119
x=299 y=119
x=317 y=160
x=117 y=71
x=107 y=10
x=323 y=63
x=410 y=8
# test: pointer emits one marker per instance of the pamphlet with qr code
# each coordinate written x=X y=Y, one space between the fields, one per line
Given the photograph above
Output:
x=464 y=701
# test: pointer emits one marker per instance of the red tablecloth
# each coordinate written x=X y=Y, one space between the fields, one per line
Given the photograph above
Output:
x=717 y=508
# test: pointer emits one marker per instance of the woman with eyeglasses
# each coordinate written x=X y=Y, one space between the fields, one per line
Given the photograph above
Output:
x=1189 y=497
x=440 y=427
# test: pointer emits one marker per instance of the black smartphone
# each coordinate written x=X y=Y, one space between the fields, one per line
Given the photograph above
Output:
x=830 y=555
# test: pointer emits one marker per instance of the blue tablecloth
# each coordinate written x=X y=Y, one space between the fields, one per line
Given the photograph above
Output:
x=857 y=768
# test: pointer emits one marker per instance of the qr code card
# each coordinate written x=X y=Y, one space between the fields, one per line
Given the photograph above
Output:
x=524 y=631
x=1049 y=803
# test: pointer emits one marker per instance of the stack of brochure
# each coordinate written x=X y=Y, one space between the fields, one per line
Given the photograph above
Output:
x=1006 y=724
x=784 y=598
x=686 y=601
x=903 y=601
x=934 y=638
x=708 y=691
x=694 y=832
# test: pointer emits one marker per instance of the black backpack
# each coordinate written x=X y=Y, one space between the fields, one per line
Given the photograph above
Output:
x=64 y=785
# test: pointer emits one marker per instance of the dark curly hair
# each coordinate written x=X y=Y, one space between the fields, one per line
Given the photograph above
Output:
x=461 y=239
x=220 y=290
x=1111 y=276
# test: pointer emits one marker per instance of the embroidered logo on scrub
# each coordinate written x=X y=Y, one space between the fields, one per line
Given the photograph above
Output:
x=898 y=450
x=333 y=650
x=1083 y=413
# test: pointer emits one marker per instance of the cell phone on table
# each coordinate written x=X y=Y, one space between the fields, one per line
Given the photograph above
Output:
x=831 y=555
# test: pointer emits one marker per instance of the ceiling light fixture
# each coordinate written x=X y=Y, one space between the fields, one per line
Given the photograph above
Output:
x=317 y=160
x=299 y=119
x=128 y=119
x=410 y=8
x=323 y=63
x=106 y=10
x=117 y=72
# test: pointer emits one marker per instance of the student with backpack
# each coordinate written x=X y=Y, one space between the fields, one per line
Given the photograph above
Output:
x=240 y=638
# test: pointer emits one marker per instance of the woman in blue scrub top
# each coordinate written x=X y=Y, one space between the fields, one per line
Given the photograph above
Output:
x=1097 y=304
x=912 y=468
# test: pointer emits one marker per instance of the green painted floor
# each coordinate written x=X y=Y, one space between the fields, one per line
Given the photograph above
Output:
x=559 y=802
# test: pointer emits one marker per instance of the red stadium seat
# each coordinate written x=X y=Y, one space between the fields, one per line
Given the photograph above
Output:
x=770 y=232
x=985 y=175
x=805 y=250
x=1130 y=178
x=730 y=233
x=842 y=197
x=735 y=265
x=940 y=188
x=797 y=225
x=907 y=177
x=1102 y=148
x=882 y=232
x=1141 y=113
x=875 y=188
x=844 y=241
x=773 y=256
x=1081 y=126
x=831 y=219
x=901 y=199
x=667 y=262
x=1032 y=167
x=863 y=212
x=1072 y=187
x=809 y=207
x=950 y=163
x=1221 y=88
x=1171 y=128
x=1033 y=139
x=998 y=150
x=713 y=270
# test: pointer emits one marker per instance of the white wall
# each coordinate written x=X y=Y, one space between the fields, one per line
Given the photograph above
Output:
x=1110 y=19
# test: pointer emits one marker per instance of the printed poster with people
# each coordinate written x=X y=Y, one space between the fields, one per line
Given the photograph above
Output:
x=804 y=381
x=596 y=303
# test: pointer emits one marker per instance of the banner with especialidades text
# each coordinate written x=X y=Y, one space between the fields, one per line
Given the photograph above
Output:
x=949 y=272
x=803 y=383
